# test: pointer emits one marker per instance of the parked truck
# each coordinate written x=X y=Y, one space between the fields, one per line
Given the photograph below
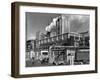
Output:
x=44 y=57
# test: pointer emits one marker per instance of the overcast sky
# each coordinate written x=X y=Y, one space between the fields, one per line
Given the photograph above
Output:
x=38 y=21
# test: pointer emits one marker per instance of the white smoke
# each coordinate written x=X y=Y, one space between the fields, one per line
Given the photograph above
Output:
x=47 y=29
x=52 y=25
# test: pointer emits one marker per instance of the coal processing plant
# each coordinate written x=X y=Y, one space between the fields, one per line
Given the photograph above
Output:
x=60 y=44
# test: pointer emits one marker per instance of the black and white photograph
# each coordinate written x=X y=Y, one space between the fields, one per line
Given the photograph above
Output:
x=57 y=39
x=52 y=39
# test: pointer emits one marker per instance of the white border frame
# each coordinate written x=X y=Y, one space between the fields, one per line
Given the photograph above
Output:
x=53 y=69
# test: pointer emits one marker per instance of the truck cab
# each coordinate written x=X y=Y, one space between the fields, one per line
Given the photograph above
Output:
x=44 y=57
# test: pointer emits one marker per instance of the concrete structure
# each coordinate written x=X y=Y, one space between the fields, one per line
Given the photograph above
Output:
x=38 y=35
x=63 y=46
x=68 y=41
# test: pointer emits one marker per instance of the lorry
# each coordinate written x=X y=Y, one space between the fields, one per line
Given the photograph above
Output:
x=44 y=57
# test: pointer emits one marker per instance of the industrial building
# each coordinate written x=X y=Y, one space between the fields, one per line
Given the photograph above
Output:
x=59 y=45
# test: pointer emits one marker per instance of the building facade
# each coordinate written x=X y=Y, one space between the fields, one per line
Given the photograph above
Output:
x=30 y=49
x=61 y=46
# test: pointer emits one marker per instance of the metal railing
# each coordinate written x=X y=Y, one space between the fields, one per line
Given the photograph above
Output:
x=59 y=37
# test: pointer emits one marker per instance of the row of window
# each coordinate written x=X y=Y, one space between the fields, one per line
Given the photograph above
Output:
x=53 y=39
